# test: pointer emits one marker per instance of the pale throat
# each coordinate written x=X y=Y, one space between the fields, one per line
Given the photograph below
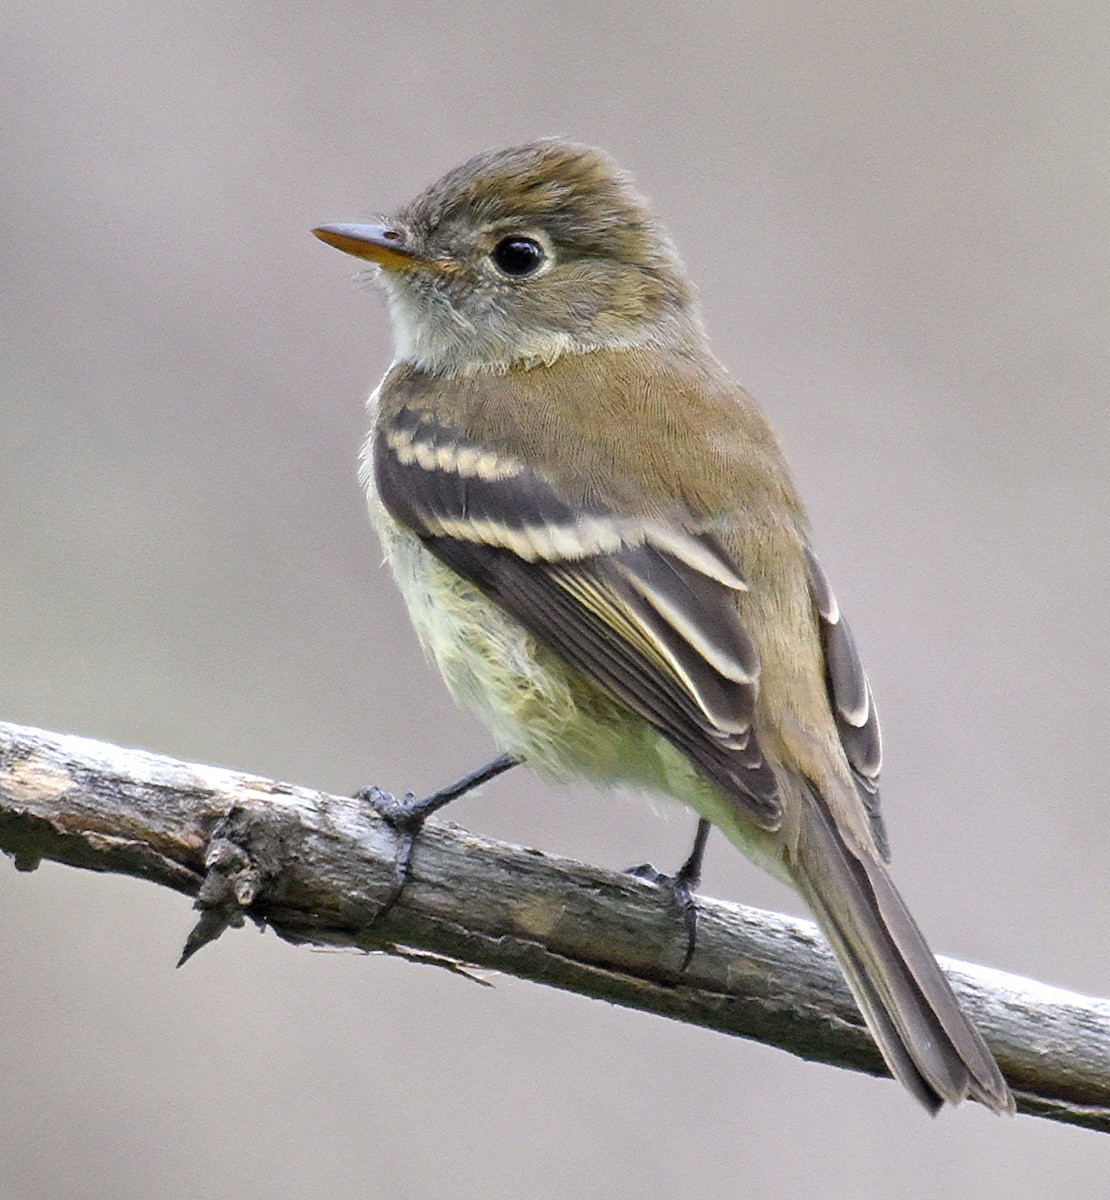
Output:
x=430 y=333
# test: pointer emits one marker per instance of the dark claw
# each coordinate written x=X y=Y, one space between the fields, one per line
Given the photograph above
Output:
x=648 y=872
x=403 y=814
x=683 y=895
x=682 y=885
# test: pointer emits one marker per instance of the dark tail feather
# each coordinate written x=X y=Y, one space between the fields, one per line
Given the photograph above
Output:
x=929 y=1044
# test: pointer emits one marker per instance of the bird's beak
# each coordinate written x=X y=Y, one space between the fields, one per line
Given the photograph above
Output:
x=380 y=244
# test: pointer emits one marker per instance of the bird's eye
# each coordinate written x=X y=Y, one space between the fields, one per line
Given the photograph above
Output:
x=518 y=256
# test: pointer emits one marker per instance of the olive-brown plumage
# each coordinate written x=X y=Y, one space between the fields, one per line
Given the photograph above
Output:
x=601 y=547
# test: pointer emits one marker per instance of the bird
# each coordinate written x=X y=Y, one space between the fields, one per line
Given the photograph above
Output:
x=601 y=547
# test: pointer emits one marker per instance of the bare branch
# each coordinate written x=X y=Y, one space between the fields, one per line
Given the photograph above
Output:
x=316 y=868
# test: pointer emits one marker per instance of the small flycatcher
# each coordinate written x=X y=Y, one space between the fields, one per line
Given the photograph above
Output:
x=601 y=547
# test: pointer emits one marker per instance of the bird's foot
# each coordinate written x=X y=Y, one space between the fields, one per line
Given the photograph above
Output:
x=682 y=885
x=682 y=892
x=408 y=814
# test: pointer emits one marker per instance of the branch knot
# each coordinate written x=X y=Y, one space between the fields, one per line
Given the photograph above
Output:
x=243 y=856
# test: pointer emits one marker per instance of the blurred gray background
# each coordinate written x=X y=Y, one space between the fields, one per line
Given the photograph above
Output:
x=897 y=217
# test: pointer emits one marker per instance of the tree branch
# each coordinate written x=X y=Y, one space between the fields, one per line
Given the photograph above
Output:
x=315 y=868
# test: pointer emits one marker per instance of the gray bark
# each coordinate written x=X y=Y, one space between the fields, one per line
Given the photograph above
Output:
x=316 y=869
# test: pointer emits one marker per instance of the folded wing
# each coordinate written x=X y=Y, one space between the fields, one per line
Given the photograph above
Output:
x=645 y=609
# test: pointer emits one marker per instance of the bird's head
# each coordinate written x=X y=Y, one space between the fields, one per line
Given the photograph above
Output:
x=522 y=255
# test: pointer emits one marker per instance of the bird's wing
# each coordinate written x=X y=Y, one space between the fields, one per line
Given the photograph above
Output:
x=850 y=696
x=645 y=609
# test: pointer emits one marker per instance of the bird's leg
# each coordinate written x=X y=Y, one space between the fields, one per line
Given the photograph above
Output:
x=408 y=814
x=682 y=885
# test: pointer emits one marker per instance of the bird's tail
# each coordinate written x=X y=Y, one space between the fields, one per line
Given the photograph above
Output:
x=928 y=1043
